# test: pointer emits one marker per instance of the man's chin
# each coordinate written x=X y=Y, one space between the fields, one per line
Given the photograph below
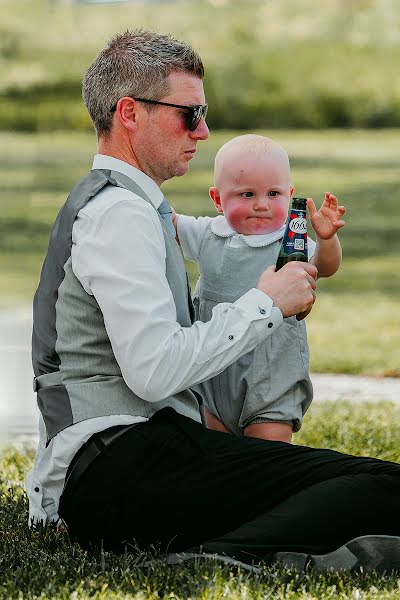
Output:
x=181 y=170
x=175 y=171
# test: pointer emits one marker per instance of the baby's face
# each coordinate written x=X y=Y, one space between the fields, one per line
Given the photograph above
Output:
x=254 y=194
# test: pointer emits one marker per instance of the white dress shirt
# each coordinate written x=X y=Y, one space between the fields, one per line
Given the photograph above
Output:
x=118 y=255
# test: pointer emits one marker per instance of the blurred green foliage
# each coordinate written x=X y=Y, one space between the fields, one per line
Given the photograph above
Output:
x=292 y=63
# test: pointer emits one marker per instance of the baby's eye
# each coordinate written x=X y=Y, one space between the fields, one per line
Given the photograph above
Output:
x=247 y=194
x=273 y=193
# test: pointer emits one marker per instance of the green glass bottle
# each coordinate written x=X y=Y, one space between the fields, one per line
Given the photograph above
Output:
x=294 y=242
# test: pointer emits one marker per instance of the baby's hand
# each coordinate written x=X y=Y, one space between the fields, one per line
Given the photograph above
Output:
x=328 y=219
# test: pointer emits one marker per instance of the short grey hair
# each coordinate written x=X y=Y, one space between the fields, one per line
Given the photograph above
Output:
x=134 y=63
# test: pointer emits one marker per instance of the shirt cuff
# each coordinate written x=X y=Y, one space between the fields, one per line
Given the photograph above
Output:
x=256 y=303
x=259 y=307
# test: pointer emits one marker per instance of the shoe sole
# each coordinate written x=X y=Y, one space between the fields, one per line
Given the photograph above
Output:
x=379 y=553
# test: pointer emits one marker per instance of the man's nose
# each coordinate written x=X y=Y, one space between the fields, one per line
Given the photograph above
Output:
x=201 y=132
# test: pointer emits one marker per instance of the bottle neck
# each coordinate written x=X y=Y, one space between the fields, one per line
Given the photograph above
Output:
x=299 y=203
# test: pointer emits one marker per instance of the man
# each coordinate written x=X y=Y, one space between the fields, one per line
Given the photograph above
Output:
x=115 y=354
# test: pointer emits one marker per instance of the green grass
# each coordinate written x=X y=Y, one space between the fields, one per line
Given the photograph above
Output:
x=44 y=564
x=353 y=327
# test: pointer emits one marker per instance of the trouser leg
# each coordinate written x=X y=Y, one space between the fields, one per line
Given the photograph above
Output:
x=318 y=520
x=174 y=484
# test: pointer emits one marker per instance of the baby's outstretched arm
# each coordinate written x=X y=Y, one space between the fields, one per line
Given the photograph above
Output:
x=326 y=222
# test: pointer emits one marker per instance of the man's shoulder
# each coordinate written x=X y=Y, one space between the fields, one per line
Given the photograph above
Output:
x=112 y=197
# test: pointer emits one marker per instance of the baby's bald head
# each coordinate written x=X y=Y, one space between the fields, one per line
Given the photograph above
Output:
x=248 y=146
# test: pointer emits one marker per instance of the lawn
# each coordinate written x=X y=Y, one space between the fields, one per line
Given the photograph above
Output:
x=44 y=564
x=354 y=325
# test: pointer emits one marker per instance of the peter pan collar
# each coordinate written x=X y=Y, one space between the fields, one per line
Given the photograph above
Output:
x=220 y=227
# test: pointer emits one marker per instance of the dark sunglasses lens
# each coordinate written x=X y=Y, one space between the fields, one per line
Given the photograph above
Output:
x=194 y=117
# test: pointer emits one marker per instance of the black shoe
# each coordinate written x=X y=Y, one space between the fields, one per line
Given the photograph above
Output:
x=379 y=553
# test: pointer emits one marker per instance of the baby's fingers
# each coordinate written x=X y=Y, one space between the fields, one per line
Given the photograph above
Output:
x=339 y=224
x=312 y=209
x=330 y=200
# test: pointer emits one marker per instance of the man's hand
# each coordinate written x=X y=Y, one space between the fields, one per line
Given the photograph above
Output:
x=292 y=288
x=328 y=219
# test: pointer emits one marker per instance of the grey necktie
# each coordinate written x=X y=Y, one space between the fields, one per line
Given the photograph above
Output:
x=166 y=213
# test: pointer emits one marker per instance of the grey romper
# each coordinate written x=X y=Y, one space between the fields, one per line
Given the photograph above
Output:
x=271 y=383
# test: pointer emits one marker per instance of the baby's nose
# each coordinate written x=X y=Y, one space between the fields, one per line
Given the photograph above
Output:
x=262 y=203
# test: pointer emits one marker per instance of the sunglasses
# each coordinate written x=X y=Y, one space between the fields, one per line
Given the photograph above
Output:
x=193 y=114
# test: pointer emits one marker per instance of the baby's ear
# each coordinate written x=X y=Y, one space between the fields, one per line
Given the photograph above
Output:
x=216 y=198
x=291 y=190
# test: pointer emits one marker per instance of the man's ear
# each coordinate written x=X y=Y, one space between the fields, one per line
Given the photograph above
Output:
x=216 y=198
x=291 y=190
x=127 y=112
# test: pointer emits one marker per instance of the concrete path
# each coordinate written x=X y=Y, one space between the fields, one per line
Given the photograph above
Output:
x=19 y=413
x=355 y=388
x=18 y=410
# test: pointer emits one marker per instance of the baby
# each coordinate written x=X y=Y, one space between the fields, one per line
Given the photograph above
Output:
x=266 y=392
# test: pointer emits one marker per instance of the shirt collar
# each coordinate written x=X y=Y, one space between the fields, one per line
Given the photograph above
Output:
x=102 y=161
x=220 y=227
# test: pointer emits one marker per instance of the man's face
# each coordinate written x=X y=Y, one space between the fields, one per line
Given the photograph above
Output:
x=163 y=144
x=254 y=194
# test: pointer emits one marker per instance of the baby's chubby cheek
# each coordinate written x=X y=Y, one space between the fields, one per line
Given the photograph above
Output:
x=280 y=215
x=236 y=217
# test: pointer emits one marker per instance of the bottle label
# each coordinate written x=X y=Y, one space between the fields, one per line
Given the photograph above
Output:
x=295 y=238
x=298 y=244
x=298 y=225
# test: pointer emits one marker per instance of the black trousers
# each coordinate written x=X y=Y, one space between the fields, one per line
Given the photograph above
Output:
x=172 y=484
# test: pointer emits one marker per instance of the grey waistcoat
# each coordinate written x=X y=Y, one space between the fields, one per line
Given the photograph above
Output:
x=76 y=374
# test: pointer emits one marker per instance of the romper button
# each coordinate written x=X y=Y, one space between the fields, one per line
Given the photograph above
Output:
x=231 y=337
x=36 y=489
x=270 y=324
x=262 y=311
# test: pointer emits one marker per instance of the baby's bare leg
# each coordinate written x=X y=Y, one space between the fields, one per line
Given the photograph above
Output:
x=213 y=422
x=277 y=432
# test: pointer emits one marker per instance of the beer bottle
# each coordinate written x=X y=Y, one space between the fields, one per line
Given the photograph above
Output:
x=294 y=243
